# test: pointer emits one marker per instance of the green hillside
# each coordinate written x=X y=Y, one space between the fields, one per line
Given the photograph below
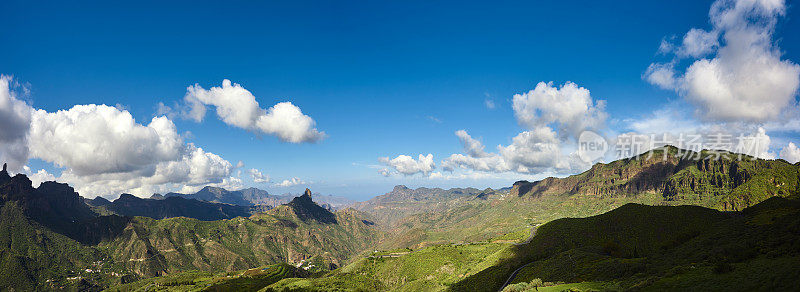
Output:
x=662 y=248
x=633 y=247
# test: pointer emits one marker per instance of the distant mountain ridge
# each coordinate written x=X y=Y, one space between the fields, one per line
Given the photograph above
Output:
x=216 y=195
x=388 y=209
x=169 y=207
x=252 y=197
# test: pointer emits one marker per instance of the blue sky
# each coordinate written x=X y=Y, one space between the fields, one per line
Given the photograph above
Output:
x=380 y=78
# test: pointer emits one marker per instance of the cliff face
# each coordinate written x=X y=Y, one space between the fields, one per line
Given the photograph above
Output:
x=621 y=177
x=727 y=184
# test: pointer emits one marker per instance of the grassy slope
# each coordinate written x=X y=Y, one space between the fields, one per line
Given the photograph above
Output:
x=430 y=268
x=657 y=248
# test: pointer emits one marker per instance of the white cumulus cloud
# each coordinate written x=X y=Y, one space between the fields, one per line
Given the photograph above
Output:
x=745 y=78
x=661 y=75
x=533 y=151
x=258 y=177
x=554 y=116
x=473 y=147
x=756 y=144
x=790 y=153
x=570 y=109
x=38 y=177
x=94 y=139
x=406 y=165
x=15 y=120
x=103 y=150
x=698 y=43
x=237 y=106
x=289 y=182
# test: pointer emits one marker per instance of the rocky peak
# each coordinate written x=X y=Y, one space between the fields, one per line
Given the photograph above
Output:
x=304 y=199
x=127 y=197
x=521 y=182
x=100 y=201
x=398 y=188
x=4 y=177
x=214 y=190
x=305 y=208
x=15 y=188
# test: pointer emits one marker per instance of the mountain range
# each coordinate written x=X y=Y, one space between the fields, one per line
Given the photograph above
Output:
x=661 y=221
x=52 y=239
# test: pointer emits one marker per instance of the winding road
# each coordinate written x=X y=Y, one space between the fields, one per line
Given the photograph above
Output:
x=514 y=274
